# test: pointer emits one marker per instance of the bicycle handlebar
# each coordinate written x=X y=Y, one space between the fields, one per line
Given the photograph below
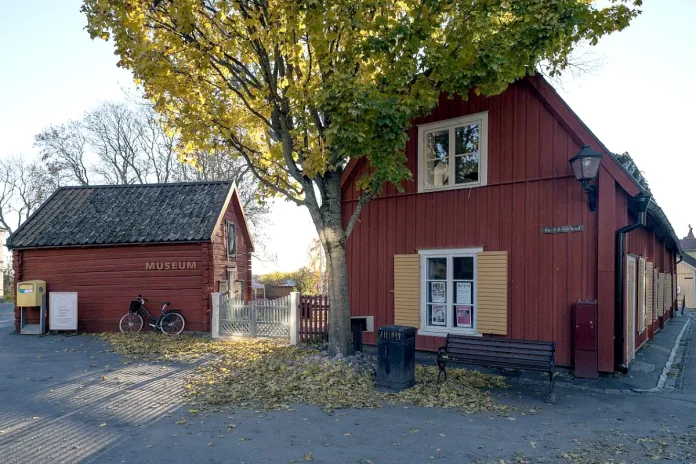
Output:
x=140 y=297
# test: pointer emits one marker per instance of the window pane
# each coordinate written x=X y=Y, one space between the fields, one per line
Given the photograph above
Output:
x=437 y=268
x=437 y=145
x=437 y=173
x=466 y=139
x=437 y=315
x=463 y=316
x=464 y=293
x=466 y=168
x=437 y=292
x=463 y=268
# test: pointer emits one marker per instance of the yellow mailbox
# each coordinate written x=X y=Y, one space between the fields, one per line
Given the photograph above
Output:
x=30 y=293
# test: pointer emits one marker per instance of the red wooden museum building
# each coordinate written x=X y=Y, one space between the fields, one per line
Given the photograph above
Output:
x=168 y=242
x=495 y=235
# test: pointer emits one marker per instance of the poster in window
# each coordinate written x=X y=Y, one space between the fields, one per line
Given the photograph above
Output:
x=438 y=292
x=463 y=315
x=438 y=315
x=464 y=293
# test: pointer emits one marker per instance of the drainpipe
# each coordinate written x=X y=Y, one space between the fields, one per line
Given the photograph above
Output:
x=640 y=204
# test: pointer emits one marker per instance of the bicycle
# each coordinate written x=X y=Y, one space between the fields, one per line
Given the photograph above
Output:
x=170 y=322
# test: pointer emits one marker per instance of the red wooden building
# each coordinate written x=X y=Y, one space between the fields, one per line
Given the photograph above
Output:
x=169 y=242
x=494 y=235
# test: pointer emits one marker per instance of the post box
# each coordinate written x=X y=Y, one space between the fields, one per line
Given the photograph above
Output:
x=585 y=340
x=31 y=295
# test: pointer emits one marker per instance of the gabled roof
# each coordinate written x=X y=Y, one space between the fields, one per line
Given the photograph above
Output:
x=126 y=214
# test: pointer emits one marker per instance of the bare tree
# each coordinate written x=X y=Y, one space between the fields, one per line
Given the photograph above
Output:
x=63 y=149
x=158 y=147
x=115 y=135
x=25 y=186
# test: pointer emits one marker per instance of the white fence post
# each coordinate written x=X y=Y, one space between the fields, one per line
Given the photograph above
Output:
x=294 y=318
x=215 y=314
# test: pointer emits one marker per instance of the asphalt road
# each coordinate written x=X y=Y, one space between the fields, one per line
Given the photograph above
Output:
x=66 y=399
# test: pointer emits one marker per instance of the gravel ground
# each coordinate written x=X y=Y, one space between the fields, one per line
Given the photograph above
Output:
x=67 y=399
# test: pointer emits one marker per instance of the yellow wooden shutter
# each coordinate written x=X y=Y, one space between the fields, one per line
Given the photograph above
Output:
x=641 y=295
x=649 y=292
x=407 y=290
x=669 y=298
x=656 y=295
x=661 y=295
x=492 y=292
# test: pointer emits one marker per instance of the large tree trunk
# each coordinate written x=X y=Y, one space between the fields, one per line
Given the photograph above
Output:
x=328 y=221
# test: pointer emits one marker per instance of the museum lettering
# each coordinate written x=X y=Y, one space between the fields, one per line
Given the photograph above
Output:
x=170 y=265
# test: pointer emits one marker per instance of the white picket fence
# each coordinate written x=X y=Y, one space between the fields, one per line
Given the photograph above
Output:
x=260 y=318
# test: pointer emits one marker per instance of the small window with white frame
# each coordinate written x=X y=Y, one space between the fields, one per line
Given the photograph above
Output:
x=453 y=153
x=448 y=291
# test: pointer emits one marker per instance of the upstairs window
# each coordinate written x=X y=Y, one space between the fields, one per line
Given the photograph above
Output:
x=453 y=153
x=231 y=240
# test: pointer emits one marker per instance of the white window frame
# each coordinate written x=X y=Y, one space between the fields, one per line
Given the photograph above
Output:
x=423 y=129
x=448 y=253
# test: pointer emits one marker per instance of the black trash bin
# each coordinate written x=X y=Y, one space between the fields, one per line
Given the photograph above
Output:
x=396 y=357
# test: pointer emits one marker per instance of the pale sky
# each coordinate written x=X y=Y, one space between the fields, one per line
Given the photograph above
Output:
x=641 y=99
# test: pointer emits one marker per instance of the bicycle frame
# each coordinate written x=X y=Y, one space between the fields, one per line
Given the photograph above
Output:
x=151 y=320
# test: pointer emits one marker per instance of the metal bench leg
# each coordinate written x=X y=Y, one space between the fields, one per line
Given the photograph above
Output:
x=551 y=397
x=441 y=367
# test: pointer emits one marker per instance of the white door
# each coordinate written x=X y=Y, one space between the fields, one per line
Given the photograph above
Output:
x=630 y=338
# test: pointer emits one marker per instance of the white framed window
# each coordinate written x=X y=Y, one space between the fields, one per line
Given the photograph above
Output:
x=453 y=154
x=448 y=291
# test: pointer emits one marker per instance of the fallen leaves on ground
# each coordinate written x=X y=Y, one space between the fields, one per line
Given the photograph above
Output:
x=271 y=374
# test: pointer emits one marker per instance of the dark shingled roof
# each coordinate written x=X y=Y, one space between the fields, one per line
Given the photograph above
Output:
x=688 y=244
x=124 y=214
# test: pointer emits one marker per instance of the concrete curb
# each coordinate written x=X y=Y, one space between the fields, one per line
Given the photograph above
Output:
x=668 y=366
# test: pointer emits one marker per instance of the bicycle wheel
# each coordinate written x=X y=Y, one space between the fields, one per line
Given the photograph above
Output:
x=172 y=324
x=131 y=323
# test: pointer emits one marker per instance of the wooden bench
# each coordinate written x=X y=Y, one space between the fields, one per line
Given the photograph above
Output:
x=498 y=353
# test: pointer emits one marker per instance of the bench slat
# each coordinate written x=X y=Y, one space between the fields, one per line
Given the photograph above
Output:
x=499 y=348
x=501 y=356
x=507 y=341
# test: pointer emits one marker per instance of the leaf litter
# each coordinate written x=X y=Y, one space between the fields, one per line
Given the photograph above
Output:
x=272 y=375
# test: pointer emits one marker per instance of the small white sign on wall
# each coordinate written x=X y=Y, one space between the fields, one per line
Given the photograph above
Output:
x=62 y=310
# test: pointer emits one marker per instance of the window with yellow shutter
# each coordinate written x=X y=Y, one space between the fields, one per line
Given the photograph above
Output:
x=448 y=291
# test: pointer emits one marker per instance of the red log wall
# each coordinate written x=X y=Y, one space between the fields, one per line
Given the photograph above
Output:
x=108 y=278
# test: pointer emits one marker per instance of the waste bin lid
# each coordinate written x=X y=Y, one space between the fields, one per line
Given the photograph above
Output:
x=396 y=332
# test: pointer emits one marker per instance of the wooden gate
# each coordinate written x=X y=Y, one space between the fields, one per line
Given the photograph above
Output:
x=314 y=319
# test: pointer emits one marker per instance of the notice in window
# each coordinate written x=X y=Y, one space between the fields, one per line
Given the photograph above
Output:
x=438 y=292
x=464 y=293
x=463 y=314
x=438 y=315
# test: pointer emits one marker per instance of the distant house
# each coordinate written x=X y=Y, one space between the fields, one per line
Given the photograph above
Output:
x=686 y=271
x=495 y=235
x=280 y=289
x=168 y=242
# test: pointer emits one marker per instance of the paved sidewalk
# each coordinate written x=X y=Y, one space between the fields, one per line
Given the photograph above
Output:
x=644 y=372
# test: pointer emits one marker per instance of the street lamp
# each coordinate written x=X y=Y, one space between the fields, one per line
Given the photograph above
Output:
x=585 y=166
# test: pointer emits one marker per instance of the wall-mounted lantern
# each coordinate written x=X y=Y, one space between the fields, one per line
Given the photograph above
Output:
x=585 y=166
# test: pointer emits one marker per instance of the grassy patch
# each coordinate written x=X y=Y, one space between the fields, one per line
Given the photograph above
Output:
x=273 y=375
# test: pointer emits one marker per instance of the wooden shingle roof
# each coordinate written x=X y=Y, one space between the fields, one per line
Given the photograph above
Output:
x=125 y=214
